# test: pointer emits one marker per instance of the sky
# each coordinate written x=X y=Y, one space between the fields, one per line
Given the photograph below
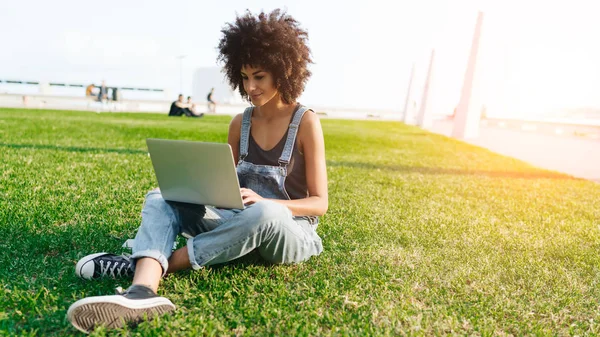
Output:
x=535 y=56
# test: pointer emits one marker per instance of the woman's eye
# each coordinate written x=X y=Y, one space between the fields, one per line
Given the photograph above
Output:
x=258 y=78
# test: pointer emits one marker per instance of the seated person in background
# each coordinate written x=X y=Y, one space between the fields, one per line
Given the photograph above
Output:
x=89 y=90
x=177 y=107
x=190 y=110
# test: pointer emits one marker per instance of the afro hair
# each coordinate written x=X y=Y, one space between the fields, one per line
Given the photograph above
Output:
x=273 y=41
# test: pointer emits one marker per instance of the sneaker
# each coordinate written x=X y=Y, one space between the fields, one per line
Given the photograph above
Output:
x=115 y=311
x=99 y=265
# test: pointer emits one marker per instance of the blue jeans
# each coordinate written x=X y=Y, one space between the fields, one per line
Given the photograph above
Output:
x=219 y=235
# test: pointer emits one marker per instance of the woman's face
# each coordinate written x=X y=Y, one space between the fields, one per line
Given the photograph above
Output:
x=258 y=84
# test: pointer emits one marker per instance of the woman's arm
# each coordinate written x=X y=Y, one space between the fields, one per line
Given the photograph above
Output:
x=233 y=136
x=311 y=144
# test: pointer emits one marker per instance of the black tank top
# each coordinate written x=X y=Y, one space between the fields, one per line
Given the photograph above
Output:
x=295 y=183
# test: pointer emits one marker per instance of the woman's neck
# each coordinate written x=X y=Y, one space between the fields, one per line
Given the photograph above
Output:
x=274 y=108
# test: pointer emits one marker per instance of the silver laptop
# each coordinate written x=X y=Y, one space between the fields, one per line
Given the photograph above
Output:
x=196 y=172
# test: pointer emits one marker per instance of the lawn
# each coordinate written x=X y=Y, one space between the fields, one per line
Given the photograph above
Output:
x=425 y=235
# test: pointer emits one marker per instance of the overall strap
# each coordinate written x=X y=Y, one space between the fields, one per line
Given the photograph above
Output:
x=288 y=149
x=245 y=133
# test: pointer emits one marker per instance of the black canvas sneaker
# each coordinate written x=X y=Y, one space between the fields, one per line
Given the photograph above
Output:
x=99 y=265
x=115 y=311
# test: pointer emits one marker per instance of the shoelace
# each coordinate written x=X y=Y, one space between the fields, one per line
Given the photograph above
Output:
x=119 y=267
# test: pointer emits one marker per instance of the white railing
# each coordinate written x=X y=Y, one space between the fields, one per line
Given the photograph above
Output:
x=38 y=101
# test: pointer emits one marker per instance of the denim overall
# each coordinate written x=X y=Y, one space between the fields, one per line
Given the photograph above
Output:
x=269 y=181
x=218 y=235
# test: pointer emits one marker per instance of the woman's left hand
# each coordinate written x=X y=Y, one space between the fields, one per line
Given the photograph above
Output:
x=249 y=197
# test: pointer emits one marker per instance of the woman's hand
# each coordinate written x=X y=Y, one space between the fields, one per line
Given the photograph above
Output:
x=249 y=197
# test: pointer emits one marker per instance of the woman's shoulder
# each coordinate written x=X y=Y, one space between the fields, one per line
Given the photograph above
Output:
x=236 y=122
x=237 y=119
x=309 y=129
x=310 y=119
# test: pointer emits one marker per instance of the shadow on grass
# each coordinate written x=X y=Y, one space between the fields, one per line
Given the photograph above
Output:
x=540 y=174
x=71 y=148
x=62 y=249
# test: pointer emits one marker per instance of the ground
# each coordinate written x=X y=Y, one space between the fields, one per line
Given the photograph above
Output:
x=425 y=235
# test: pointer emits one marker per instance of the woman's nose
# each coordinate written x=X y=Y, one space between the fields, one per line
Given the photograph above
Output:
x=250 y=85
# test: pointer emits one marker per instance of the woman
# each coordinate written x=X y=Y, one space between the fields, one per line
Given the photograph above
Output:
x=280 y=153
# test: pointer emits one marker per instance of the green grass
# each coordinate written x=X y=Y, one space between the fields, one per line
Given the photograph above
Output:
x=425 y=235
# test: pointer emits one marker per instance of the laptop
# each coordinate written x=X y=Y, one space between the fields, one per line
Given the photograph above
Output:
x=196 y=172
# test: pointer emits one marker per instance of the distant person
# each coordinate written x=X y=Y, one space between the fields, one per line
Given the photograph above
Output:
x=190 y=109
x=116 y=94
x=177 y=107
x=89 y=90
x=190 y=106
x=212 y=105
x=103 y=93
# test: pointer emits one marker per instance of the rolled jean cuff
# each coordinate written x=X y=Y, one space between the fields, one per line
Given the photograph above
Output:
x=191 y=255
x=153 y=254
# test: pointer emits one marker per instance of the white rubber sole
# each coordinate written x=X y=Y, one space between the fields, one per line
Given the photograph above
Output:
x=81 y=264
x=114 y=311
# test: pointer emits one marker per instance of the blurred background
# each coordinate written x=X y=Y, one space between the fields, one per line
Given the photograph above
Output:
x=536 y=58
